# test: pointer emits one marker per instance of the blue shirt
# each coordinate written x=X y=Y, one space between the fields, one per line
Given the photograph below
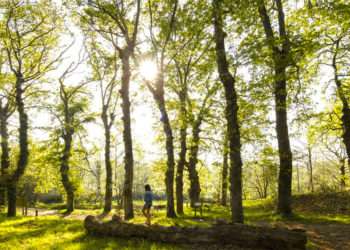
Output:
x=148 y=197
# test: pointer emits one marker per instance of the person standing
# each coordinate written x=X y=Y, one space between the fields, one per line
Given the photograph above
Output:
x=148 y=198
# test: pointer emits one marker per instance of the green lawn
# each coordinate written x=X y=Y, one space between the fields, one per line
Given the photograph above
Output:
x=54 y=232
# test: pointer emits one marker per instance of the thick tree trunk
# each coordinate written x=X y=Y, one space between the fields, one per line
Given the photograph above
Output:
x=158 y=95
x=192 y=163
x=108 y=192
x=11 y=199
x=344 y=100
x=23 y=147
x=224 y=184
x=5 y=155
x=64 y=169
x=346 y=129
x=182 y=156
x=236 y=235
x=128 y=157
x=231 y=116
x=280 y=58
x=284 y=150
x=169 y=176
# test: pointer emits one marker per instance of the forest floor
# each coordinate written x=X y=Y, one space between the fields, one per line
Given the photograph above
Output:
x=326 y=219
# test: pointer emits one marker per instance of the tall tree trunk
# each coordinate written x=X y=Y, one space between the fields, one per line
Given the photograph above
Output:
x=128 y=157
x=11 y=199
x=169 y=176
x=182 y=155
x=224 y=184
x=23 y=147
x=158 y=95
x=298 y=179
x=5 y=155
x=231 y=115
x=192 y=163
x=343 y=98
x=284 y=150
x=64 y=169
x=280 y=59
x=311 y=179
x=342 y=175
x=108 y=192
x=98 y=182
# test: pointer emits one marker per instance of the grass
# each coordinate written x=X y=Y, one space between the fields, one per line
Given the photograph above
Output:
x=53 y=232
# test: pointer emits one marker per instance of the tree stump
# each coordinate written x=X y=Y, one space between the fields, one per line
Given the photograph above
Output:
x=233 y=234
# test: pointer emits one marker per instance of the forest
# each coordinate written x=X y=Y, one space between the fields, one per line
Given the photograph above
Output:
x=232 y=117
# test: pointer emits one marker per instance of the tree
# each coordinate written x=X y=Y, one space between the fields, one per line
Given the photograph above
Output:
x=280 y=49
x=29 y=32
x=158 y=92
x=228 y=82
x=224 y=174
x=105 y=72
x=113 y=22
x=7 y=108
x=70 y=113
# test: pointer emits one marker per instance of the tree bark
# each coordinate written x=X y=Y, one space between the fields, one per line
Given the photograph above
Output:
x=224 y=184
x=192 y=163
x=343 y=98
x=231 y=115
x=23 y=147
x=158 y=95
x=128 y=157
x=280 y=59
x=11 y=199
x=5 y=153
x=64 y=169
x=182 y=155
x=236 y=235
x=169 y=176
x=342 y=175
x=108 y=192
x=311 y=180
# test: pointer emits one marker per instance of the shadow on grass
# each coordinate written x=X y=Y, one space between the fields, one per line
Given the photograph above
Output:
x=97 y=242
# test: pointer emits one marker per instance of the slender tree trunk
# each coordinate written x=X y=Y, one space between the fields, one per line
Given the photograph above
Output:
x=23 y=147
x=108 y=192
x=182 y=155
x=311 y=181
x=280 y=59
x=64 y=169
x=284 y=150
x=298 y=178
x=195 y=188
x=169 y=176
x=344 y=100
x=98 y=182
x=128 y=157
x=342 y=175
x=224 y=181
x=5 y=155
x=231 y=115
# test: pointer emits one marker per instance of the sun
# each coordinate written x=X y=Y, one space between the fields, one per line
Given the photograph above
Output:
x=148 y=70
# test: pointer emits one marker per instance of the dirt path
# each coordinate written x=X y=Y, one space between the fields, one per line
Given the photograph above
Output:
x=334 y=236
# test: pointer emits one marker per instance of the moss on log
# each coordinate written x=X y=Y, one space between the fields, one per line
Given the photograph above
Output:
x=232 y=234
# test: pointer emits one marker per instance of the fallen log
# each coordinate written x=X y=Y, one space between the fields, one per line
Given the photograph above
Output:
x=233 y=234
